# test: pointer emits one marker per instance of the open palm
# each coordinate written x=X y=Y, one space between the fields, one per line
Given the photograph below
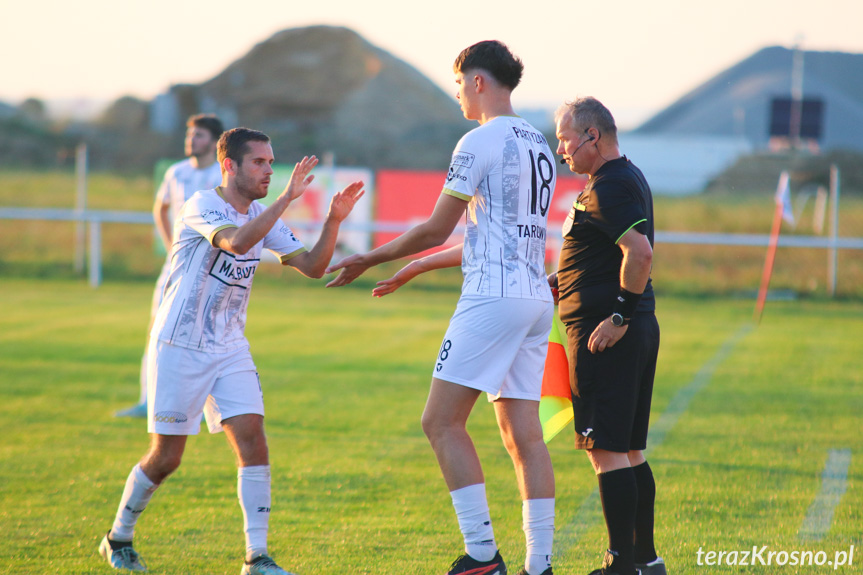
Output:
x=343 y=202
x=300 y=178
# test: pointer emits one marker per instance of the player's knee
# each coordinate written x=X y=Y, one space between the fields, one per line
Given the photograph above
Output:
x=521 y=437
x=158 y=466
x=429 y=425
x=515 y=443
x=254 y=453
x=171 y=464
x=509 y=443
x=436 y=427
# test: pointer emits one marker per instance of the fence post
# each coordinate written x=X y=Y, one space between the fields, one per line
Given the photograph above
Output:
x=80 y=203
x=832 y=264
x=95 y=259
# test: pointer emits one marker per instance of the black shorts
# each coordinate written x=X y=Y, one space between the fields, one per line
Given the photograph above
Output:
x=611 y=390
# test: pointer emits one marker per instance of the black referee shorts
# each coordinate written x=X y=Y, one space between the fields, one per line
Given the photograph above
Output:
x=612 y=389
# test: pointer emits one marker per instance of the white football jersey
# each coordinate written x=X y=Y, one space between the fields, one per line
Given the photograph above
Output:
x=182 y=180
x=207 y=292
x=505 y=169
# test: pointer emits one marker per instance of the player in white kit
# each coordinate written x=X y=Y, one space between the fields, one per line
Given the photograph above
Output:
x=199 y=171
x=502 y=174
x=199 y=360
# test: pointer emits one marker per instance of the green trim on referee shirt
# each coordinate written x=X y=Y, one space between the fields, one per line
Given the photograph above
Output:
x=287 y=257
x=629 y=228
x=456 y=194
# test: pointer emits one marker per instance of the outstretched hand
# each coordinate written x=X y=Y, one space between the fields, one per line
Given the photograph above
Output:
x=352 y=267
x=401 y=277
x=300 y=178
x=343 y=202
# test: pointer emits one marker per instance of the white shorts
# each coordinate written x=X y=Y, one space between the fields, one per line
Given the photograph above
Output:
x=184 y=384
x=497 y=345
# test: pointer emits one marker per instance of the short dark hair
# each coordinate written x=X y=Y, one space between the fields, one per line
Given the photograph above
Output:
x=234 y=143
x=208 y=122
x=493 y=57
x=586 y=112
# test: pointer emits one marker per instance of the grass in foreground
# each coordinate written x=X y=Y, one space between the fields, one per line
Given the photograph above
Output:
x=356 y=487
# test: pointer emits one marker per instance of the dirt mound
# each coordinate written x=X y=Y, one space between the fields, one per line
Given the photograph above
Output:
x=326 y=89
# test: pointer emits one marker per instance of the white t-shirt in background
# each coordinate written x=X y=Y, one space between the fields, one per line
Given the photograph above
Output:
x=182 y=180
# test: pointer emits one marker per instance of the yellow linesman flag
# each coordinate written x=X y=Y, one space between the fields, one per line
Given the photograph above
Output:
x=555 y=406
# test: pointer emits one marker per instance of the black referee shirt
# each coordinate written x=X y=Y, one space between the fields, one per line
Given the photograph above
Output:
x=616 y=199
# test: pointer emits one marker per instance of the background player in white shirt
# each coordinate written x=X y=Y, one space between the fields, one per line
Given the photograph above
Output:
x=503 y=175
x=199 y=171
x=199 y=357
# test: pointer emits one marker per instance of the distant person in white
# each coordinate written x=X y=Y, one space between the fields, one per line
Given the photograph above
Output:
x=502 y=173
x=199 y=171
x=199 y=360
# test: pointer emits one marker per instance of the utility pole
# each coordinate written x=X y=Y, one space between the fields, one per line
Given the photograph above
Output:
x=796 y=119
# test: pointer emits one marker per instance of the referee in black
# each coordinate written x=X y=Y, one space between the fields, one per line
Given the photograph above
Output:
x=607 y=305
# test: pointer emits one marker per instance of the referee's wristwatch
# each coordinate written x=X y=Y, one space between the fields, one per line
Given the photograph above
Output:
x=618 y=320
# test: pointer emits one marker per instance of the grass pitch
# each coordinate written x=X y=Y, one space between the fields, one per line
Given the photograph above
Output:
x=356 y=488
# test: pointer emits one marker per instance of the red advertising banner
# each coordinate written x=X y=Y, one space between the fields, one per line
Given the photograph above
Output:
x=407 y=197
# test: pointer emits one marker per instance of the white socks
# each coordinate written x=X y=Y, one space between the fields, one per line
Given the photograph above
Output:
x=471 y=509
x=538 y=524
x=253 y=490
x=136 y=495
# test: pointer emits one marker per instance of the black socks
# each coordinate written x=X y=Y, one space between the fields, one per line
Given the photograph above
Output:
x=619 y=494
x=645 y=551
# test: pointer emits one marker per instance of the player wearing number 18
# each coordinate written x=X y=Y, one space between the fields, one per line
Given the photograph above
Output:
x=502 y=174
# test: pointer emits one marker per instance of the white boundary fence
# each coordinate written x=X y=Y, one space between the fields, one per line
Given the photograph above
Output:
x=95 y=218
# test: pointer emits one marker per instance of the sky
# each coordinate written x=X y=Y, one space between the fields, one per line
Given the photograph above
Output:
x=635 y=56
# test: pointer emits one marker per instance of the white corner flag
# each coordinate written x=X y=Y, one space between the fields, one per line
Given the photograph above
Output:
x=783 y=198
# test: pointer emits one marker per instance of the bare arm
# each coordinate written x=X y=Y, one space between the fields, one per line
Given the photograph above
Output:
x=162 y=219
x=313 y=262
x=634 y=273
x=448 y=258
x=240 y=240
x=429 y=234
x=637 y=261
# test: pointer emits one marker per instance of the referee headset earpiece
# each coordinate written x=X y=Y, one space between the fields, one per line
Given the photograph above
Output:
x=578 y=147
x=597 y=149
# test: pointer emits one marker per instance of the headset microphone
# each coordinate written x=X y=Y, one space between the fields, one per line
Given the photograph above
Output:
x=577 y=148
